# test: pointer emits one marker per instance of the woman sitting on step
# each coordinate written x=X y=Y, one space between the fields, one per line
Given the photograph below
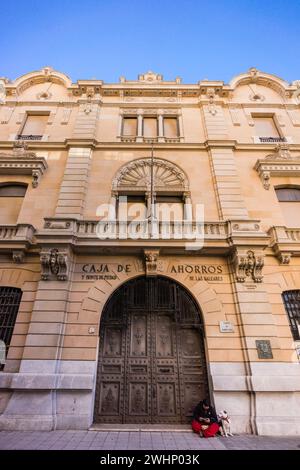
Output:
x=205 y=421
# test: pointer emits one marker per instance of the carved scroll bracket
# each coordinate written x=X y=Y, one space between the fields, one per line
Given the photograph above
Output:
x=152 y=262
x=55 y=265
x=248 y=264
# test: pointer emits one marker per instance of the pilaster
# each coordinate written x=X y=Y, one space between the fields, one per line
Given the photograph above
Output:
x=74 y=184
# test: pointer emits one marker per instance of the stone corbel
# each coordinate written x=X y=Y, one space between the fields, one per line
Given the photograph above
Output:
x=284 y=242
x=248 y=264
x=55 y=265
x=284 y=258
x=151 y=262
x=18 y=256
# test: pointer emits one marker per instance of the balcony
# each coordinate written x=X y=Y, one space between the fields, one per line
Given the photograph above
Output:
x=285 y=242
x=120 y=237
x=149 y=140
x=16 y=239
x=28 y=137
x=128 y=138
x=272 y=140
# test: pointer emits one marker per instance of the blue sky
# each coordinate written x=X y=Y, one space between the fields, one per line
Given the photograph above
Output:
x=192 y=39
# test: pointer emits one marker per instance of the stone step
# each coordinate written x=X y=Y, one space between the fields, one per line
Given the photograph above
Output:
x=141 y=427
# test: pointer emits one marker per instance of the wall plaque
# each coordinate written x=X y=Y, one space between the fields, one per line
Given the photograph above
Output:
x=226 y=327
x=264 y=349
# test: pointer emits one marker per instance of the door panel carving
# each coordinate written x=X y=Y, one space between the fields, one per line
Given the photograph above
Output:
x=151 y=365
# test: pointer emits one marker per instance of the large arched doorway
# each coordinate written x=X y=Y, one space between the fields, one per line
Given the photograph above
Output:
x=152 y=366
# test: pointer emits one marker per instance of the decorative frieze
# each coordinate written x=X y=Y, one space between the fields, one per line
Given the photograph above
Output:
x=55 y=265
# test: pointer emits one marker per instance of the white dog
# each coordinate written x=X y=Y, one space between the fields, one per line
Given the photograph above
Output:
x=225 y=424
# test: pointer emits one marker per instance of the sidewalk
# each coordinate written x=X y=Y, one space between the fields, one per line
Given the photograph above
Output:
x=95 y=440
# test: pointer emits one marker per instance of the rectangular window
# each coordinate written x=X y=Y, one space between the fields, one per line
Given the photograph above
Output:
x=265 y=127
x=171 y=127
x=150 y=127
x=291 y=299
x=169 y=208
x=35 y=125
x=129 y=126
x=10 y=298
x=135 y=207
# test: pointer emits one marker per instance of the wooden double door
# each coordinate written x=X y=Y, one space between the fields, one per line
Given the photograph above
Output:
x=151 y=366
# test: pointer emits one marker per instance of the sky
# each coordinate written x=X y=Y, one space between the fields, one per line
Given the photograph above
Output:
x=192 y=39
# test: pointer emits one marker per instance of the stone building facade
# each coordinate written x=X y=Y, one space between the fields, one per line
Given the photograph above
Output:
x=103 y=324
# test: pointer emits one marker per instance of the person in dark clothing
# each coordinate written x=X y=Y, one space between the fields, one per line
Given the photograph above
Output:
x=205 y=421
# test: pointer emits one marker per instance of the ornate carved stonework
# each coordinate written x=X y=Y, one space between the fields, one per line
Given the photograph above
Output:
x=284 y=258
x=18 y=256
x=151 y=262
x=281 y=152
x=248 y=264
x=136 y=175
x=55 y=265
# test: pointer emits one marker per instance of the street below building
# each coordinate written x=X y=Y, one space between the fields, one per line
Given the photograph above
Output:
x=94 y=440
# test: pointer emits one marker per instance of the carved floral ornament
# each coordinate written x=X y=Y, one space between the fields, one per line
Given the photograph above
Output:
x=278 y=163
x=248 y=265
x=137 y=175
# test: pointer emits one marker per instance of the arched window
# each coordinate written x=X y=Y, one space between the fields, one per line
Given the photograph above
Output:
x=170 y=187
x=289 y=199
x=291 y=299
x=10 y=298
x=11 y=200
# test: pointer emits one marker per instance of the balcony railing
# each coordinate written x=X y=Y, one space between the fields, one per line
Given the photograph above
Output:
x=293 y=234
x=172 y=140
x=128 y=138
x=16 y=232
x=268 y=140
x=29 y=137
x=149 y=140
x=144 y=229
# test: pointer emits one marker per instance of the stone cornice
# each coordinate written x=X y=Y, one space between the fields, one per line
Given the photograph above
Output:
x=23 y=164
x=182 y=146
x=278 y=163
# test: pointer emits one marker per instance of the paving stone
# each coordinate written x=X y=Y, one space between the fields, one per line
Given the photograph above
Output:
x=131 y=440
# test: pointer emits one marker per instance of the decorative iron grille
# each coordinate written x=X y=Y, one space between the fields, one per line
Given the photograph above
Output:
x=291 y=299
x=10 y=298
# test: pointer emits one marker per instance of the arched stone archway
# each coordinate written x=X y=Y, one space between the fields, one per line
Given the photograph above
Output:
x=152 y=365
x=204 y=295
